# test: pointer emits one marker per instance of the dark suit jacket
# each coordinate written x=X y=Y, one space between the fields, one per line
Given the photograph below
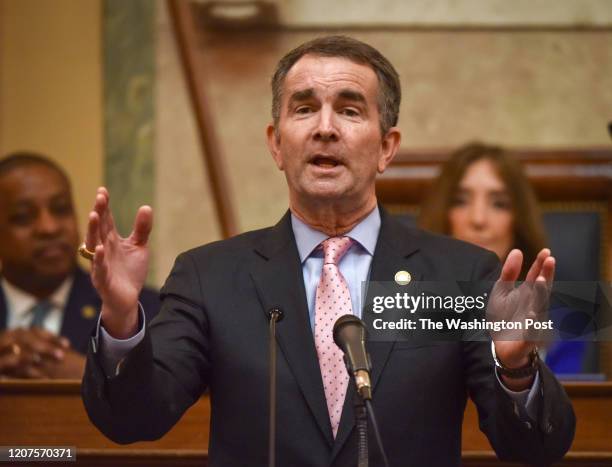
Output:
x=212 y=333
x=82 y=309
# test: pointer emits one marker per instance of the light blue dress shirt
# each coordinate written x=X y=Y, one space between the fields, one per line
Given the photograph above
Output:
x=354 y=265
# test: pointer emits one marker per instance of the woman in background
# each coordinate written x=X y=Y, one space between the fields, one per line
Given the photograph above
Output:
x=479 y=196
x=482 y=196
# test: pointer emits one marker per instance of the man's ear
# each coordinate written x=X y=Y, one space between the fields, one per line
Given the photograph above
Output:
x=273 y=145
x=390 y=144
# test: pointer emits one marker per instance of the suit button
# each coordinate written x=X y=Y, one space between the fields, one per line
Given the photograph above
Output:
x=548 y=428
x=528 y=425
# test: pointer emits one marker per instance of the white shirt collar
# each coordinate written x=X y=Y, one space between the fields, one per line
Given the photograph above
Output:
x=19 y=302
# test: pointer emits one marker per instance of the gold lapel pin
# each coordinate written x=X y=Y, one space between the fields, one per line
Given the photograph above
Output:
x=402 y=277
x=88 y=312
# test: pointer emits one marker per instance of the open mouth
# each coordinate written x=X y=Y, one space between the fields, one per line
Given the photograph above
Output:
x=325 y=162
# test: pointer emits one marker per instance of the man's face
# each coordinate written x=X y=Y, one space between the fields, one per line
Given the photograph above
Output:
x=328 y=141
x=38 y=228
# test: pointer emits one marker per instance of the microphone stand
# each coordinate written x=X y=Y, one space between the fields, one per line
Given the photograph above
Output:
x=275 y=315
x=361 y=425
x=350 y=336
x=363 y=410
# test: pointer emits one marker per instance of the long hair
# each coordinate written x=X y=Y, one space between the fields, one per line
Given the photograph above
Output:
x=527 y=223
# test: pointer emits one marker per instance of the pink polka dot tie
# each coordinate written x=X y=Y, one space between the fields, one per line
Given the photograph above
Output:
x=333 y=300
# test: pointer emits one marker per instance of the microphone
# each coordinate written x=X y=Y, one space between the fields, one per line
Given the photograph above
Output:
x=350 y=334
x=275 y=314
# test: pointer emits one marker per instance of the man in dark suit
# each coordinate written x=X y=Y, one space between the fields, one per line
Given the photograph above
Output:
x=48 y=305
x=335 y=107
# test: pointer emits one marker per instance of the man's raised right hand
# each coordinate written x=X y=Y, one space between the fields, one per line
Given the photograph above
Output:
x=120 y=265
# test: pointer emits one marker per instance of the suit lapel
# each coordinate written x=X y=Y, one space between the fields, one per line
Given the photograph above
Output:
x=396 y=250
x=278 y=278
x=80 y=312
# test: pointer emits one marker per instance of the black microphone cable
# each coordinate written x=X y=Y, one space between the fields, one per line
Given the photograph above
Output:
x=274 y=315
x=381 y=448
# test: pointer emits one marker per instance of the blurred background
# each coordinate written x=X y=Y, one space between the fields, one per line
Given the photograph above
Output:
x=100 y=86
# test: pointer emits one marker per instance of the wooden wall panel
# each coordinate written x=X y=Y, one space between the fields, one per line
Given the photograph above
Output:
x=52 y=413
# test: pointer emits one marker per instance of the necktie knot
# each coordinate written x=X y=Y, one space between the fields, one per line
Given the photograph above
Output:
x=334 y=249
x=39 y=312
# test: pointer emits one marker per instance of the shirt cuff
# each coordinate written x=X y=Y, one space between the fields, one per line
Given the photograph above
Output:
x=111 y=350
x=525 y=402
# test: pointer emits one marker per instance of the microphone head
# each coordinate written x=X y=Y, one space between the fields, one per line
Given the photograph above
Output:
x=349 y=328
x=276 y=311
x=350 y=335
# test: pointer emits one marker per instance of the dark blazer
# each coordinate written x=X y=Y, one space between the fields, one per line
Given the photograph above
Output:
x=212 y=333
x=82 y=309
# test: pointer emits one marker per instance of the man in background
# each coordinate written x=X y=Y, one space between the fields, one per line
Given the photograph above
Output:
x=47 y=303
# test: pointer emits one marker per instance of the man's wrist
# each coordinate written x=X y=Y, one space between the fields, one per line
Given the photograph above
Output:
x=522 y=368
x=517 y=384
x=120 y=325
x=514 y=364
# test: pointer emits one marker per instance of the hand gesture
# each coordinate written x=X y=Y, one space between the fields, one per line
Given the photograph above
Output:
x=119 y=266
x=529 y=301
